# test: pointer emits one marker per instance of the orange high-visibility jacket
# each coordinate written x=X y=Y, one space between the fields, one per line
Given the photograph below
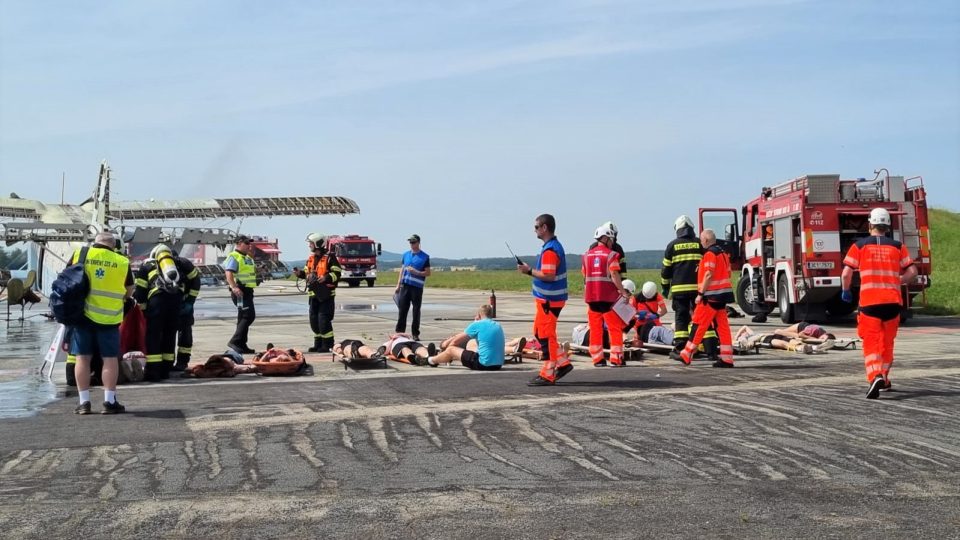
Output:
x=881 y=262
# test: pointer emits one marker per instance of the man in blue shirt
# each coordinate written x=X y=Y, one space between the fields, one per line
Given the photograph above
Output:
x=413 y=274
x=484 y=351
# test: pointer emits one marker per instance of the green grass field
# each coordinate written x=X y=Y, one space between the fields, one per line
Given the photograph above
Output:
x=943 y=298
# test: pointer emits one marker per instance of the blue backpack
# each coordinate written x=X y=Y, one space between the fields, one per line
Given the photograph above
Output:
x=69 y=291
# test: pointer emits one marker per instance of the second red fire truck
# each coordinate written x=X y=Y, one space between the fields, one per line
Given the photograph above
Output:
x=788 y=244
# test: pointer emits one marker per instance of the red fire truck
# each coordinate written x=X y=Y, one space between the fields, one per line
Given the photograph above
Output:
x=358 y=258
x=788 y=244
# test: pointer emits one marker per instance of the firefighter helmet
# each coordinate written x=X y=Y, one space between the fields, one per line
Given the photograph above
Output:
x=316 y=238
x=603 y=230
x=682 y=221
x=879 y=216
x=610 y=225
x=649 y=289
x=630 y=286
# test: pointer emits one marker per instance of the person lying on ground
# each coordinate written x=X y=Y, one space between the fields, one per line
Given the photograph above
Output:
x=655 y=334
x=402 y=348
x=484 y=351
x=813 y=334
x=355 y=349
x=746 y=337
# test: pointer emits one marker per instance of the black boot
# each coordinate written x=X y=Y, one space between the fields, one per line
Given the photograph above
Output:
x=183 y=360
x=165 y=368
x=326 y=345
x=153 y=372
x=317 y=345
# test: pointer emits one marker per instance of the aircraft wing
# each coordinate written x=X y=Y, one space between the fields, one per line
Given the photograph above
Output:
x=19 y=208
x=231 y=208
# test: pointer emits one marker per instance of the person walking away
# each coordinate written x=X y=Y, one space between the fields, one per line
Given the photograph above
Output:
x=549 y=291
x=322 y=273
x=602 y=288
x=679 y=277
x=111 y=284
x=714 y=292
x=190 y=290
x=885 y=267
x=159 y=293
x=241 y=275
x=414 y=271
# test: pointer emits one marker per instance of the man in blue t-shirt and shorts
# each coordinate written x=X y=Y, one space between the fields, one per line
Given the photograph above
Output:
x=484 y=351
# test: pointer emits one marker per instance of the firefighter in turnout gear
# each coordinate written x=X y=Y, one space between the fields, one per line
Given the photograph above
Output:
x=885 y=267
x=714 y=292
x=190 y=289
x=159 y=292
x=679 y=277
x=322 y=273
x=602 y=288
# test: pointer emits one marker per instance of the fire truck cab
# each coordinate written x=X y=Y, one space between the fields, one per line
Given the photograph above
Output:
x=357 y=256
x=788 y=244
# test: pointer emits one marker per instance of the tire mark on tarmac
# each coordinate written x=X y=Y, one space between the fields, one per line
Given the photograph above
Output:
x=467 y=424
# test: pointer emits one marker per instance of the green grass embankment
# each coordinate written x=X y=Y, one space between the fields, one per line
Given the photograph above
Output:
x=943 y=297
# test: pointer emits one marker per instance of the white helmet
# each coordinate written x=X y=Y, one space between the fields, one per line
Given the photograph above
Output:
x=682 y=221
x=610 y=225
x=158 y=249
x=879 y=216
x=630 y=286
x=649 y=289
x=316 y=238
x=604 y=230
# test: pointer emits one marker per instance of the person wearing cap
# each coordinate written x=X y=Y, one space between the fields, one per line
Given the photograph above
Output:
x=241 y=274
x=111 y=283
x=885 y=267
x=414 y=270
x=166 y=288
x=679 y=277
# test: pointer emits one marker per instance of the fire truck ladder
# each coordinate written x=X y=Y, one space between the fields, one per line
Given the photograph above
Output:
x=231 y=208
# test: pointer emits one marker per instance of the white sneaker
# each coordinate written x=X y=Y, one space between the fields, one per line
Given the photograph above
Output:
x=825 y=346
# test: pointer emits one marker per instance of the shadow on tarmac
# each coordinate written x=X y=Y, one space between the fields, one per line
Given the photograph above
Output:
x=629 y=384
x=164 y=414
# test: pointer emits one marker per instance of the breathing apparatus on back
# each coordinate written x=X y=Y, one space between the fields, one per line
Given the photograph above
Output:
x=167 y=274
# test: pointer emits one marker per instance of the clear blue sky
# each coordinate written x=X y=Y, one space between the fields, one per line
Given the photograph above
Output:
x=462 y=121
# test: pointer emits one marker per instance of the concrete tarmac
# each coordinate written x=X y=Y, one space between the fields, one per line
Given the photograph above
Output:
x=783 y=446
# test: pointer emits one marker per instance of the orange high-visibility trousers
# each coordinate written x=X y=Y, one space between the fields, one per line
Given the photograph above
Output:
x=545 y=330
x=703 y=317
x=878 y=337
x=614 y=327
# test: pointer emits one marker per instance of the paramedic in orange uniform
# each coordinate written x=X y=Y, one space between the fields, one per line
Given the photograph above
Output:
x=550 y=295
x=602 y=288
x=714 y=292
x=885 y=267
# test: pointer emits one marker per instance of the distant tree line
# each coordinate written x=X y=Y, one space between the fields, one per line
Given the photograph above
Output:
x=635 y=259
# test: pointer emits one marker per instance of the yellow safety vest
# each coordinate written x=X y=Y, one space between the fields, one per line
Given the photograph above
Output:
x=246 y=273
x=107 y=272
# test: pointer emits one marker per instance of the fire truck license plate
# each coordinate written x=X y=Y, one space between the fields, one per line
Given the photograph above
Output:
x=820 y=265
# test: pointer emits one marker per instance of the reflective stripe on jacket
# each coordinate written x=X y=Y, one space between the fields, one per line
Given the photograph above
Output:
x=680 y=261
x=598 y=283
x=555 y=290
x=246 y=273
x=107 y=272
x=717 y=262
x=881 y=261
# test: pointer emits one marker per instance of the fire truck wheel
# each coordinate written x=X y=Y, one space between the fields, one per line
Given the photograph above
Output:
x=838 y=308
x=353 y=282
x=743 y=293
x=783 y=300
x=370 y=282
